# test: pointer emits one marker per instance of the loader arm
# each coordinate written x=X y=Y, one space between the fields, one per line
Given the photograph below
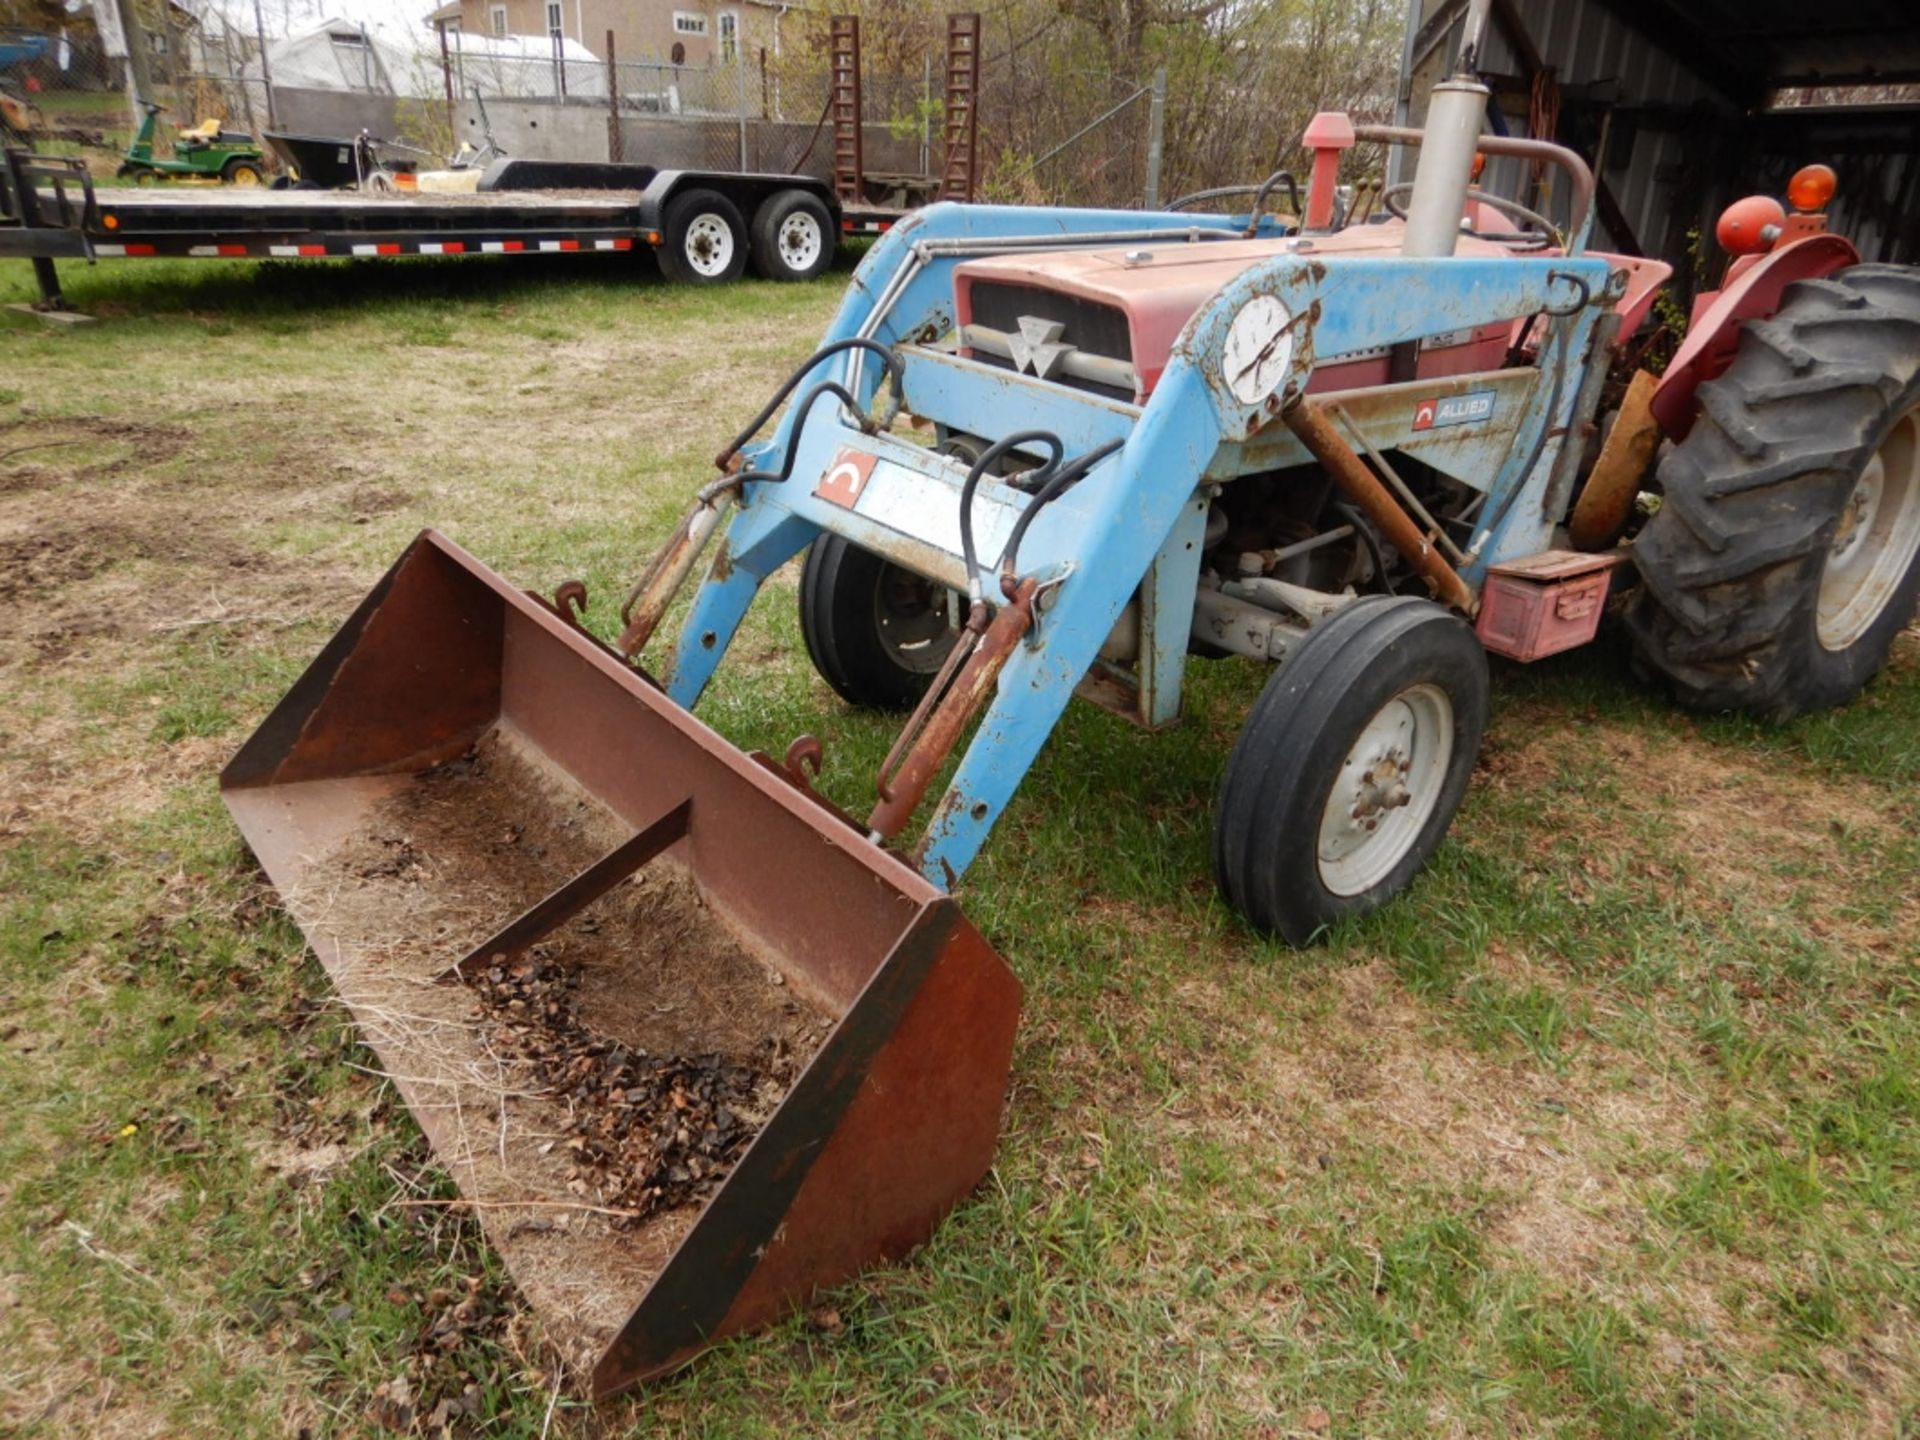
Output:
x=1135 y=522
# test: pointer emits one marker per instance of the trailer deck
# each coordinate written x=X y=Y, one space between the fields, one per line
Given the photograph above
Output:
x=51 y=210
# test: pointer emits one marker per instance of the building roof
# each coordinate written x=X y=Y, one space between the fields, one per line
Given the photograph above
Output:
x=1747 y=47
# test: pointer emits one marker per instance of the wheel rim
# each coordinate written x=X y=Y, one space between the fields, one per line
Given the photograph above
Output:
x=709 y=244
x=246 y=175
x=910 y=617
x=800 y=241
x=1387 y=790
x=1876 y=540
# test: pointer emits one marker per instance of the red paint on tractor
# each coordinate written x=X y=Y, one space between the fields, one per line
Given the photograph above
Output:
x=1753 y=290
x=1160 y=295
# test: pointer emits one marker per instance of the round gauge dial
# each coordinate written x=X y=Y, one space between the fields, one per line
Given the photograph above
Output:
x=1259 y=349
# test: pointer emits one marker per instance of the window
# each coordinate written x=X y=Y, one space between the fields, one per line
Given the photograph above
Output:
x=498 y=15
x=156 y=42
x=689 y=22
x=556 y=24
x=729 y=37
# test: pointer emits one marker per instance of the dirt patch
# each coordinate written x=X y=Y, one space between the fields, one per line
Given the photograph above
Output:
x=588 y=1094
x=369 y=500
x=54 y=551
x=40 y=452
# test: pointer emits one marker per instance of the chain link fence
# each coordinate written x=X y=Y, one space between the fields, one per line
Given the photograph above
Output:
x=1055 y=133
x=70 y=77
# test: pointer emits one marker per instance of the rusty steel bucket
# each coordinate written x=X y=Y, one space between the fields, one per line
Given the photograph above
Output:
x=688 y=1045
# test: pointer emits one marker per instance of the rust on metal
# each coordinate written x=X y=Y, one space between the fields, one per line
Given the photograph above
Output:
x=581 y=891
x=904 y=783
x=1580 y=206
x=800 y=769
x=1605 y=505
x=653 y=593
x=450 y=688
x=1309 y=421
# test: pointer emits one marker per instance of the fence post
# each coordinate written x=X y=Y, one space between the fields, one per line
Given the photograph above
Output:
x=1156 y=136
x=446 y=78
x=265 y=73
x=616 y=147
x=740 y=65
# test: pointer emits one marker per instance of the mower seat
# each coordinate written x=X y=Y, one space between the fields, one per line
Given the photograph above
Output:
x=205 y=130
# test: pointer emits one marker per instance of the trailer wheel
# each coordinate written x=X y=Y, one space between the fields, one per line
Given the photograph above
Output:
x=792 y=237
x=242 y=172
x=1350 y=766
x=877 y=633
x=704 y=240
x=1785 y=556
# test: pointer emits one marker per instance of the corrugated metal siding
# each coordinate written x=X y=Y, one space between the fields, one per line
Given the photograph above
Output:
x=1680 y=150
x=1585 y=44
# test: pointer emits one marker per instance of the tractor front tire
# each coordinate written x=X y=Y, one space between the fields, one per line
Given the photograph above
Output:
x=704 y=240
x=877 y=633
x=1350 y=766
x=1785 y=556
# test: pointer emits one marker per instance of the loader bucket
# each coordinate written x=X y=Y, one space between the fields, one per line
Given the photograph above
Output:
x=688 y=1045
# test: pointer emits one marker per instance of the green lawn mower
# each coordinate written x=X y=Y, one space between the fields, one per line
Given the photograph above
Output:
x=204 y=152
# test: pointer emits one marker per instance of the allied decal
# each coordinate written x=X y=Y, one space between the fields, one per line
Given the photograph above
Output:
x=1472 y=408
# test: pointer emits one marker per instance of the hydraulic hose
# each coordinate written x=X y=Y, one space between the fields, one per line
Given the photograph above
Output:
x=787 y=387
x=800 y=412
x=1062 y=480
x=1266 y=189
x=968 y=554
x=1360 y=527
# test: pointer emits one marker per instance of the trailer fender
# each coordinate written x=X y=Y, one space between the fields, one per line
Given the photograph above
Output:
x=747 y=191
x=1753 y=293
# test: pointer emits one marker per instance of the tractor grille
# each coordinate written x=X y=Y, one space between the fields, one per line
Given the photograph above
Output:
x=1091 y=328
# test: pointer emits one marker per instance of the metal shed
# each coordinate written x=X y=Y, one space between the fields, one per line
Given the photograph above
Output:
x=1696 y=102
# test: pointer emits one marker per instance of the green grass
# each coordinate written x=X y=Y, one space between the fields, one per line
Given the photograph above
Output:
x=1607 y=1129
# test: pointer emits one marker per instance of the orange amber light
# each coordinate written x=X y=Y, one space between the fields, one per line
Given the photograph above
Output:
x=1812 y=187
x=112 y=222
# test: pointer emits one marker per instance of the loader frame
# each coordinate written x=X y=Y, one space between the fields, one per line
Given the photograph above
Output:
x=1132 y=530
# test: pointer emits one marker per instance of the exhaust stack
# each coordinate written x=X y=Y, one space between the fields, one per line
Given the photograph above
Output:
x=1455 y=115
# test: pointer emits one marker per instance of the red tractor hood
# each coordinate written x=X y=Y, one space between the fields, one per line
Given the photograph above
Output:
x=1158 y=295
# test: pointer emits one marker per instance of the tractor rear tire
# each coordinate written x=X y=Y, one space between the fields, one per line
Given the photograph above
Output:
x=877 y=632
x=1785 y=556
x=242 y=172
x=1350 y=766
x=703 y=239
x=792 y=237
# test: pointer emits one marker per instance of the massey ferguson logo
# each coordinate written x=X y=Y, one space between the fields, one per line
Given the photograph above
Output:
x=1036 y=346
x=1468 y=409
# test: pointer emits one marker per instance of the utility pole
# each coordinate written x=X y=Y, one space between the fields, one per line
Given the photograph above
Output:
x=121 y=37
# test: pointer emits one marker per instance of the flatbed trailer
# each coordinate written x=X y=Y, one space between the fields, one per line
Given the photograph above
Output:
x=705 y=225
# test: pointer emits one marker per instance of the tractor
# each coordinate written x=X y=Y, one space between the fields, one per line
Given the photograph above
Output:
x=206 y=151
x=1048 y=453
